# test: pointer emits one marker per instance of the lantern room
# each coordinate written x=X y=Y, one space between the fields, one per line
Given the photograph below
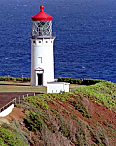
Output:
x=42 y=24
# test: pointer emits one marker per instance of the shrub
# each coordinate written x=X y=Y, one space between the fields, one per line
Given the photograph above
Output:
x=33 y=122
x=10 y=138
x=99 y=136
x=79 y=81
x=81 y=109
x=103 y=93
x=76 y=81
x=21 y=79
x=6 y=78
x=64 y=127
x=64 y=79
x=90 y=81
x=37 y=102
x=82 y=135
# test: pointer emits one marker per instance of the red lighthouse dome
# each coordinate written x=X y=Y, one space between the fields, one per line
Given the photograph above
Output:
x=42 y=16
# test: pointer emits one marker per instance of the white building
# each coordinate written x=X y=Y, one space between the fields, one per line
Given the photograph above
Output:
x=57 y=87
x=42 y=56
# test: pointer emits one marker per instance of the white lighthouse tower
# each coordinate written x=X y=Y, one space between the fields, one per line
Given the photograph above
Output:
x=42 y=58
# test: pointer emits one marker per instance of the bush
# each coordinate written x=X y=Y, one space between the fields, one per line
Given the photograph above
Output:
x=10 y=138
x=81 y=135
x=81 y=109
x=79 y=81
x=37 y=102
x=33 y=122
x=90 y=81
x=76 y=81
x=6 y=78
x=99 y=136
x=64 y=79
x=21 y=79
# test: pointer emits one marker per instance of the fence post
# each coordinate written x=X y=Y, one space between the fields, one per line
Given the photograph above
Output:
x=19 y=99
x=27 y=95
x=34 y=94
x=14 y=100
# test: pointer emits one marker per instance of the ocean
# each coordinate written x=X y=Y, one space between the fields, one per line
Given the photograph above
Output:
x=85 y=41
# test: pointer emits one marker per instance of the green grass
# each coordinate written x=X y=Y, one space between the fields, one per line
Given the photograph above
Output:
x=14 y=83
x=37 y=101
x=15 y=86
x=103 y=93
x=46 y=118
x=7 y=86
x=73 y=87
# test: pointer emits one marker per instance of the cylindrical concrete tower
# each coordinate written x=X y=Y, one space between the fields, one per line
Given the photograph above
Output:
x=42 y=56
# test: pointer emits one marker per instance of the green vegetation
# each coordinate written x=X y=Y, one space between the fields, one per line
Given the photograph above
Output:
x=57 y=120
x=66 y=119
x=8 y=86
x=21 y=79
x=38 y=102
x=34 y=122
x=10 y=138
x=81 y=134
x=103 y=93
x=60 y=79
x=81 y=108
x=99 y=136
x=79 y=81
x=62 y=96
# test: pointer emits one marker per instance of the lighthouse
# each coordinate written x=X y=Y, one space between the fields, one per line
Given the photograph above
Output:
x=42 y=56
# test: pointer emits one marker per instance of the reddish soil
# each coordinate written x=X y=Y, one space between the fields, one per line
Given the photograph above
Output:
x=17 y=114
x=99 y=115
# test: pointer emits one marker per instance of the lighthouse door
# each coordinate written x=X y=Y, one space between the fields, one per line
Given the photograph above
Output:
x=40 y=79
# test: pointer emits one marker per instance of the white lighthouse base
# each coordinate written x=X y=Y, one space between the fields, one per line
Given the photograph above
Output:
x=57 y=87
x=42 y=61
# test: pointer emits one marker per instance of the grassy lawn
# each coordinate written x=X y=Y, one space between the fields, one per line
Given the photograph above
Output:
x=13 y=83
x=73 y=87
x=7 y=86
x=10 y=86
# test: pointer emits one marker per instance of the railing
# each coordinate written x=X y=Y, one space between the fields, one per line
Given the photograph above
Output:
x=17 y=100
x=53 y=35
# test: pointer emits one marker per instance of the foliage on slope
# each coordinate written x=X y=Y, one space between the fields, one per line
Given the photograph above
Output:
x=66 y=119
x=70 y=119
x=103 y=93
x=9 y=138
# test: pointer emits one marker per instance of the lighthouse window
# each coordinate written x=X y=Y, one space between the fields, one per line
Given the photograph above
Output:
x=39 y=41
x=51 y=41
x=46 y=41
x=39 y=60
x=34 y=42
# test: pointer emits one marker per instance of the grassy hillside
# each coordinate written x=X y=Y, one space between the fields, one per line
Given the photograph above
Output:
x=103 y=93
x=85 y=117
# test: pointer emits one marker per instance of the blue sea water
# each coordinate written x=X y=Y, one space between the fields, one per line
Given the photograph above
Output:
x=85 y=41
